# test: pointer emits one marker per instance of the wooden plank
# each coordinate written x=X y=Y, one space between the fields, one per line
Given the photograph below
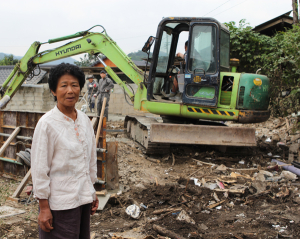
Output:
x=8 y=126
x=94 y=122
x=93 y=235
x=21 y=186
x=112 y=175
x=8 y=141
x=101 y=193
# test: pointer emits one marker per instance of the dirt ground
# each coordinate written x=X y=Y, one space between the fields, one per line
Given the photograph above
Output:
x=216 y=194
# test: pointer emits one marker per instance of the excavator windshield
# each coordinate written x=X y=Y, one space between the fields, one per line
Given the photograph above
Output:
x=202 y=55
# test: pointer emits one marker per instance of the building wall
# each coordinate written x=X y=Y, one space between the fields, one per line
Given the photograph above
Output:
x=39 y=99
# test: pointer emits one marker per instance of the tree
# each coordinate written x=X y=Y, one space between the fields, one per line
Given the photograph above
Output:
x=8 y=60
x=138 y=55
x=87 y=60
x=295 y=11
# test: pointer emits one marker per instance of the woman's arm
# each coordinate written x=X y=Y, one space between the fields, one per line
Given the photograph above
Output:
x=40 y=167
x=45 y=218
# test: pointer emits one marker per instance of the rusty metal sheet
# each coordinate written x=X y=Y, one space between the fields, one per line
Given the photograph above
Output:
x=202 y=134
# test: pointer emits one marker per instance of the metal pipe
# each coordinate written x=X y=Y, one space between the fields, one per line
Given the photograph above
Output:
x=289 y=168
x=10 y=161
x=18 y=137
x=103 y=63
x=100 y=182
x=101 y=150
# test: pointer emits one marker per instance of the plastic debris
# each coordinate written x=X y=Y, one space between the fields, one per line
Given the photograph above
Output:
x=196 y=182
x=133 y=211
x=220 y=185
x=288 y=175
x=183 y=216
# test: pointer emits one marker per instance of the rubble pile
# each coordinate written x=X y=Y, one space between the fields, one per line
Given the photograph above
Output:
x=195 y=191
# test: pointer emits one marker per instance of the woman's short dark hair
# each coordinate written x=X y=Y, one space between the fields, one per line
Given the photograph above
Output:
x=65 y=69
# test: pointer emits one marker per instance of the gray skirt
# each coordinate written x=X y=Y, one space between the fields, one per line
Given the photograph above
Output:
x=69 y=224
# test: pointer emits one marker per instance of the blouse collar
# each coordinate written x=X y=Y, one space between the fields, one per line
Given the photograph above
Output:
x=63 y=117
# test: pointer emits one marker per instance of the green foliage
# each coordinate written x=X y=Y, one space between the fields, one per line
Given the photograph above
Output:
x=87 y=60
x=138 y=56
x=278 y=57
x=8 y=60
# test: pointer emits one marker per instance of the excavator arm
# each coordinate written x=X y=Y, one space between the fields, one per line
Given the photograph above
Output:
x=89 y=42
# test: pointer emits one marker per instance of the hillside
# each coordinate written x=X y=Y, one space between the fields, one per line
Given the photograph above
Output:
x=66 y=60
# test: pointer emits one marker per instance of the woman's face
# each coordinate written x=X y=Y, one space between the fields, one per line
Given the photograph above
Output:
x=67 y=91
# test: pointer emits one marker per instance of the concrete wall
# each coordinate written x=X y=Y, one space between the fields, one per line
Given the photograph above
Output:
x=39 y=99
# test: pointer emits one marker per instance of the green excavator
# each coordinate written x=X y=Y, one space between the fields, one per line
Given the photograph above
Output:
x=189 y=94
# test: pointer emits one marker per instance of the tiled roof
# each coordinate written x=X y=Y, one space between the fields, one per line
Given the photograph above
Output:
x=6 y=70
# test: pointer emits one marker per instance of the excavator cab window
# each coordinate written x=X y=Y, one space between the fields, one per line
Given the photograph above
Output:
x=168 y=66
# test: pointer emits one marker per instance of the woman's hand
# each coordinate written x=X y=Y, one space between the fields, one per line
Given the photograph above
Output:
x=94 y=206
x=45 y=218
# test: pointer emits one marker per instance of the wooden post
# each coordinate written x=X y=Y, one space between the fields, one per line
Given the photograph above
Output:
x=295 y=11
x=21 y=186
x=8 y=141
x=100 y=121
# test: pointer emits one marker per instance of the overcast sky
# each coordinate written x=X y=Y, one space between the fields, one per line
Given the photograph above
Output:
x=128 y=22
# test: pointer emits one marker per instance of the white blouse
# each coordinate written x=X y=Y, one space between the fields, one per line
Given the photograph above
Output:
x=63 y=160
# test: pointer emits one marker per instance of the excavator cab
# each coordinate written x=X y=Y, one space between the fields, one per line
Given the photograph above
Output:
x=198 y=73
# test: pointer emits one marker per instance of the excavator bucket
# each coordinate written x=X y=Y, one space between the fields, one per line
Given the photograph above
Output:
x=202 y=134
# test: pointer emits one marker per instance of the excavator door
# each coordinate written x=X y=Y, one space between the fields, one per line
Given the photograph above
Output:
x=201 y=78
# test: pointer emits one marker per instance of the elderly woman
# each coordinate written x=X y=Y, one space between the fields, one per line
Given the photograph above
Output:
x=63 y=159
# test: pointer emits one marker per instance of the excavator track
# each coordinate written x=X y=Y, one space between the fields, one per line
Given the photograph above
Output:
x=138 y=129
x=156 y=134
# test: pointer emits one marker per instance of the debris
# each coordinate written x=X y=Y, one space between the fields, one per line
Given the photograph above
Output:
x=221 y=167
x=237 y=175
x=21 y=186
x=215 y=204
x=133 y=211
x=6 y=211
x=242 y=162
x=210 y=164
x=93 y=235
x=196 y=182
x=284 y=192
x=165 y=232
x=173 y=163
x=292 y=169
x=216 y=197
x=259 y=186
x=232 y=190
x=268 y=140
x=101 y=193
x=160 y=211
x=202 y=227
x=141 y=186
x=152 y=160
x=288 y=175
x=220 y=185
x=183 y=216
x=211 y=186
